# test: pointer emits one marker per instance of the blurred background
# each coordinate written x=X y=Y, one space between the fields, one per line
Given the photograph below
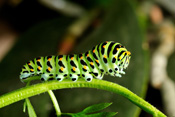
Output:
x=32 y=28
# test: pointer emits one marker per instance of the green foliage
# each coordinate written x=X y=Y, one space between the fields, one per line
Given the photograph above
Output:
x=90 y=111
x=96 y=107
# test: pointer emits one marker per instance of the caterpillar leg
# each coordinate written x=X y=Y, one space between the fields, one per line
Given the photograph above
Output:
x=74 y=77
x=121 y=71
x=117 y=73
x=88 y=77
x=98 y=75
x=59 y=77
x=46 y=77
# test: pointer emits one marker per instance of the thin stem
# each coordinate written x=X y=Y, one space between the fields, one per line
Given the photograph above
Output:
x=26 y=100
x=55 y=103
x=95 y=83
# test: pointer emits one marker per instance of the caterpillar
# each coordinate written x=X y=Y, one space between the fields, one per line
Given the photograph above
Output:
x=106 y=58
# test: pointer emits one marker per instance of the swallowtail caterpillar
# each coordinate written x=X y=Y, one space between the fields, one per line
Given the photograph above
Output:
x=106 y=58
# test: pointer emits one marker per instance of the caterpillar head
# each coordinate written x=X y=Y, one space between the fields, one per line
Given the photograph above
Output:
x=126 y=60
x=23 y=76
x=121 y=59
x=24 y=73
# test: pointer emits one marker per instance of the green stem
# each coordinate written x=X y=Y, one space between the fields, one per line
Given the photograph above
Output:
x=99 y=84
x=55 y=103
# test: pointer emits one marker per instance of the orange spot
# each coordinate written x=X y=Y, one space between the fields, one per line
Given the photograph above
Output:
x=91 y=63
x=49 y=68
x=81 y=57
x=62 y=68
x=104 y=46
x=117 y=49
x=29 y=63
x=31 y=70
x=38 y=59
x=106 y=41
x=39 y=67
x=72 y=58
x=94 y=51
x=115 y=57
x=120 y=46
x=60 y=59
x=49 y=59
x=84 y=67
x=74 y=68
x=87 y=55
x=97 y=61
x=105 y=56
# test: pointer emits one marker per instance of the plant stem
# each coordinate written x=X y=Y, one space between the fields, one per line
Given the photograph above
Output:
x=55 y=103
x=95 y=83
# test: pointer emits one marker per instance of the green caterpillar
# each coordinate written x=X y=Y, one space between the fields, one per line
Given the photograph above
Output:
x=106 y=58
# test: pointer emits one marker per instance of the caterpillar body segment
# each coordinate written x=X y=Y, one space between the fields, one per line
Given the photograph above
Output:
x=106 y=58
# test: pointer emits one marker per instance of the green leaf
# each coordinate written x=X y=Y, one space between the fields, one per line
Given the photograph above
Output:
x=91 y=109
x=102 y=114
x=96 y=107
x=30 y=108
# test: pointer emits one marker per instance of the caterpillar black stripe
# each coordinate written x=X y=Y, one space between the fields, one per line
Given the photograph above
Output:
x=106 y=58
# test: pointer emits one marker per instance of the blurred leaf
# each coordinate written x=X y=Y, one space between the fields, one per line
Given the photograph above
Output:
x=30 y=108
x=171 y=67
x=96 y=107
x=24 y=106
x=101 y=114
